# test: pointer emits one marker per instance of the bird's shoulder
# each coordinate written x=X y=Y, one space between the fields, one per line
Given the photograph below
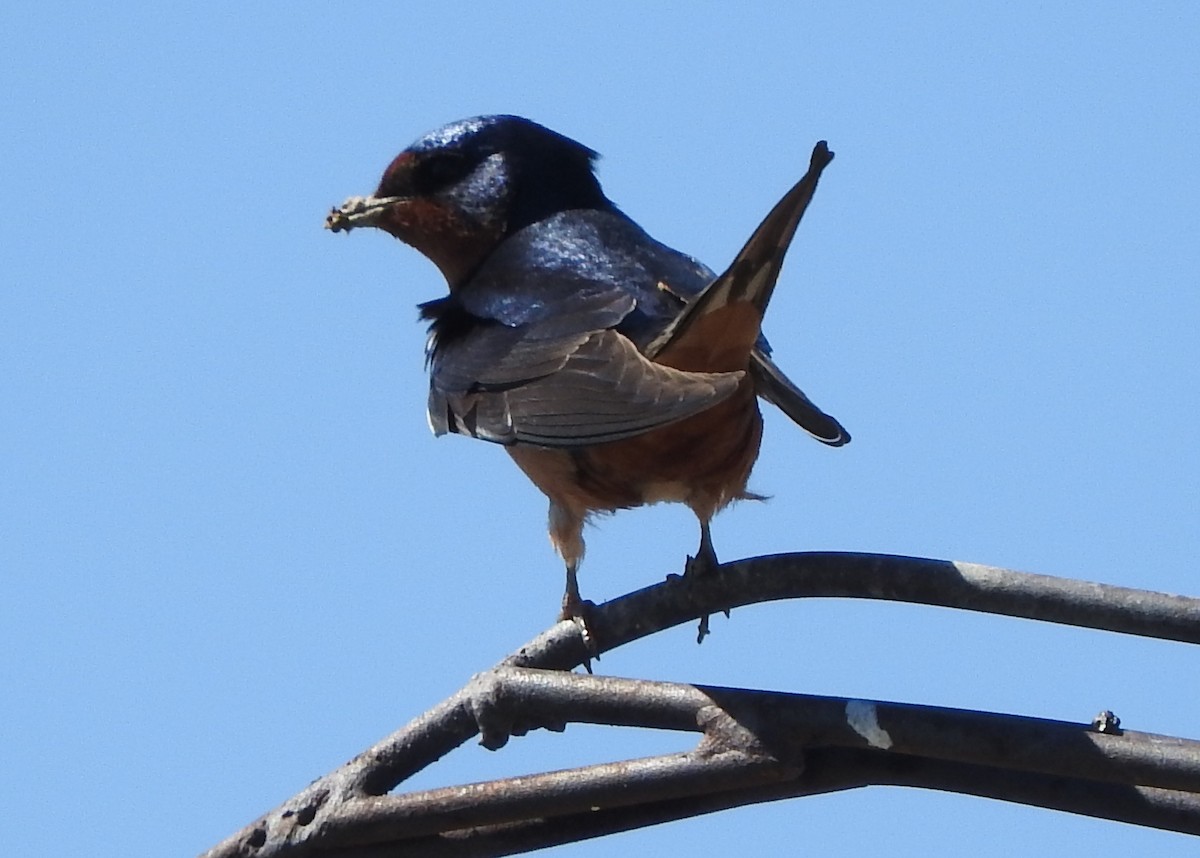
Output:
x=580 y=270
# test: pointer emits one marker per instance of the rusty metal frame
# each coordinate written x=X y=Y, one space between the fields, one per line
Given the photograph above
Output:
x=754 y=746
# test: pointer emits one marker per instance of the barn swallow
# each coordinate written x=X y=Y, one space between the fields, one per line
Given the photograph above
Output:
x=615 y=370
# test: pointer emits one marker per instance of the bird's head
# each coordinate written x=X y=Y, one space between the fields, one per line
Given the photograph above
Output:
x=458 y=191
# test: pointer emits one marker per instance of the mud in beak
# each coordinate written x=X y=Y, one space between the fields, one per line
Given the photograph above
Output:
x=359 y=211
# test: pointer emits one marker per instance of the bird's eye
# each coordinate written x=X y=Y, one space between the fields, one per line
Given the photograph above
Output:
x=435 y=172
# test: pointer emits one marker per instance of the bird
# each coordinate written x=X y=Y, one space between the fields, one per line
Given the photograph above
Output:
x=616 y=371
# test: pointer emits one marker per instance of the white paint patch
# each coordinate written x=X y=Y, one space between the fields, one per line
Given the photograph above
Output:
x=864 y=721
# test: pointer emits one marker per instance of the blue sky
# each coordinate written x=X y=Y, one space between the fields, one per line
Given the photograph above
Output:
x=232 y=555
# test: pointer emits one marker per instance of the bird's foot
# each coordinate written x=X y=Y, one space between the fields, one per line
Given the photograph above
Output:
x=578 y=610
x=705 y=562
x=703 y=565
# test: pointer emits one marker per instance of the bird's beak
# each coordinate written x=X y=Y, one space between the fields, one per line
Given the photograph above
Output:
x=359 y=211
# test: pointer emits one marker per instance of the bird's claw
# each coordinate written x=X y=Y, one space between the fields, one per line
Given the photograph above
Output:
x=578 y=611
x=700 y=566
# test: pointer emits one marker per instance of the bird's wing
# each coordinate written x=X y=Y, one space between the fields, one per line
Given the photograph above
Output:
x=742 y=292
x=749 y=281
x=540 y=363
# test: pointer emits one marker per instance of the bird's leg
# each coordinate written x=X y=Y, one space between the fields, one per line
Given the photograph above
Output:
x=705 y=562
x=566 y=535
x=576 y=609
x=572 y=602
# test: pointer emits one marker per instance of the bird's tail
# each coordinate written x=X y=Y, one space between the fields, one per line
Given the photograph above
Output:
x=717 y=331
x=772 y=385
